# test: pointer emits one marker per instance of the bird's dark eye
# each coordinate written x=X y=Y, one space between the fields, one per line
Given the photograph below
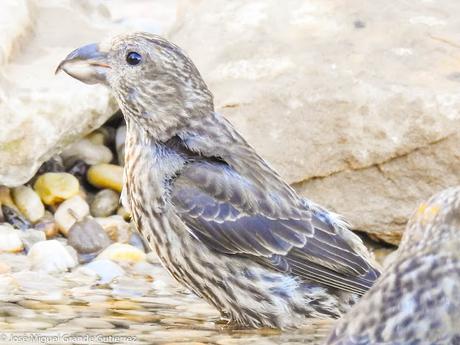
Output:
x=133 y=58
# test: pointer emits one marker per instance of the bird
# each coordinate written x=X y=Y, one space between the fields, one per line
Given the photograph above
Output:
x=221 y=220
x=416 y=300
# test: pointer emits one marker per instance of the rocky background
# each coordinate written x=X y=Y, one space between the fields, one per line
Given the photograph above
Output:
x=357 y=105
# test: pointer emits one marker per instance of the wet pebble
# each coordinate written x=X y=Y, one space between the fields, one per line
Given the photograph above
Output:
x=116 y=227
x=10 y=240
x=88 y=152
x=28 y=324
x=96 y=137
x=144 y=268
x=122 y=252
x=54 y=188
x=8 y=289
x=106 y=176
x=30 y=237
x=4 y=268
x=47 y=225
x=16 y=262
x=14 y=310
x=91 y=323
x=105 y=203
x=51 y=256
x=88 y=237
x=136 y=240
x=129 y=287
x=16 y=219
x=106 y=270
x=70 y=211
x=29 y=203
x=120 y=139
x=79 y=169
x=5 y=197
x=124 y=213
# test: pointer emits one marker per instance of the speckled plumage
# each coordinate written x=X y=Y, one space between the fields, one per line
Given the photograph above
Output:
x=417 y=298
x=222 y=222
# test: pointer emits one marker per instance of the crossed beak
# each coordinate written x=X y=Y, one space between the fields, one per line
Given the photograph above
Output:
x=88 y=64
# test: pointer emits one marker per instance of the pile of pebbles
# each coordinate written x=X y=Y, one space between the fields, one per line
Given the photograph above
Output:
x=69 y=213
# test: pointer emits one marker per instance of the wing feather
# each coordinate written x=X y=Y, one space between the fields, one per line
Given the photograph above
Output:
x=235 y=223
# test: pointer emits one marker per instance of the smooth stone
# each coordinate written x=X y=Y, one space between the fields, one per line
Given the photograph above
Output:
x=137 y=241
x=116 y=227
x=48 y=225
x=144 y=268
x=15 y=311
x=4 y=268
x=55 y=187
x=106 y=176
x=79 y=169
x=91 y=323
x=130 y=287
x=41 y=112
x=29 y=203
x=124 y=213
x=38 y=282
x=122 y=252
x=28 y=324
x=70 y=211
x=10 y=239
x=15 y=218
x=5 y=197
x=105 y=203
x=81 y=276
x=17 y=263
x=88 y=152
x=120 y=139
x=87 y=236
x=51 y=256
x=30 y=237
x=96 y=137
x=107 y=270
x=8 y=288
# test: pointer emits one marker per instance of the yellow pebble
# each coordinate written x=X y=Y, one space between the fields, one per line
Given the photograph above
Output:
x=5 y=197
x=96 y=138
x=54 y=188
x=106 y=176
x=122 y=252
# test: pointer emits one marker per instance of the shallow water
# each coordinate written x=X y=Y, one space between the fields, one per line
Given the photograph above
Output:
x=143 y=307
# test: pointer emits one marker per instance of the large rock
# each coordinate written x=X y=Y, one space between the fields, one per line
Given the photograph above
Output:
x=40 y=113
x=357 y=105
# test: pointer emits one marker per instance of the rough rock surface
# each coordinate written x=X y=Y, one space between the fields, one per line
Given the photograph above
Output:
x=40 y=113
x=356 y=104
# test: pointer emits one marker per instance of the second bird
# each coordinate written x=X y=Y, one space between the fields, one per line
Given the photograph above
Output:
x=222 y=222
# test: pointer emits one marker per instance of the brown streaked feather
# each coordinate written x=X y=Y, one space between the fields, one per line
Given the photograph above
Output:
x=234 y=208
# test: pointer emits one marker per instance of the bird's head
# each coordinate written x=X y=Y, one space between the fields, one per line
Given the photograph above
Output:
x=436 y=221
x=156 y=84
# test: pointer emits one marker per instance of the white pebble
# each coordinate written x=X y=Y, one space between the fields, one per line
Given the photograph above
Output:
x=10 y=240
x=89 y=152
x=31 y=236
x=29 y=203
x=107 y=270
x=70 y=211
x=116 y=227
x=51 y=256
